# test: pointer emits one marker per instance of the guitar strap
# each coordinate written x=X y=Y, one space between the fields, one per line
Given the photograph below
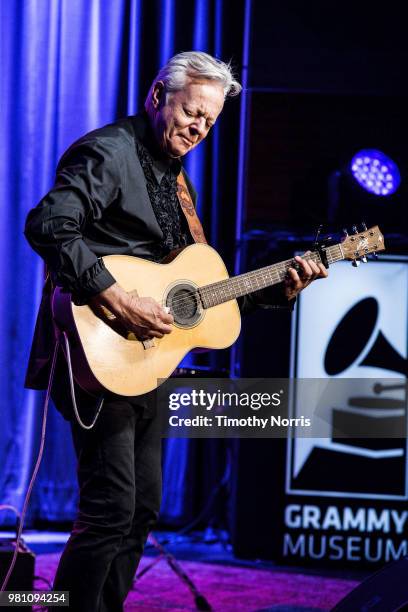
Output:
x=187 y=206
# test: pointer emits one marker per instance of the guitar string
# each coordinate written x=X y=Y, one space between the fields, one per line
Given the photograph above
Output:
x=269 y=272
x=272 y=272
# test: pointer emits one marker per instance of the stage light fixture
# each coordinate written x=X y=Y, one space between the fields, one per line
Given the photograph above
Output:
x=375 y=172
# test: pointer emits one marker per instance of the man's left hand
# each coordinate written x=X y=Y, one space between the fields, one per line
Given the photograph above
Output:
x=308 y=272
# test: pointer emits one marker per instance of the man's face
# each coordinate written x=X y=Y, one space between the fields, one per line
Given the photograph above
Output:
x=183 y=120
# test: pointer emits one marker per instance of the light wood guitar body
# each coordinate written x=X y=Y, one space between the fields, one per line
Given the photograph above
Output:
x=102 y=358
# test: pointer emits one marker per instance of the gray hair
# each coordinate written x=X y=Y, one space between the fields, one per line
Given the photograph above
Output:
x=195 y=65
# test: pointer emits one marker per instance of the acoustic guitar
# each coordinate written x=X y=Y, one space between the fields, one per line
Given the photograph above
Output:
x=198 y=292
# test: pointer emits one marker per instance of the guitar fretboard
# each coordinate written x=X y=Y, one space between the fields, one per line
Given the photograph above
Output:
x=231 y=288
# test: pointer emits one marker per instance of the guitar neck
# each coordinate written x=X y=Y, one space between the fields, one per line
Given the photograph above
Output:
x=237 y=286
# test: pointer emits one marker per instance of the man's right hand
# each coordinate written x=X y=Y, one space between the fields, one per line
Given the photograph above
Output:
x=141 y=315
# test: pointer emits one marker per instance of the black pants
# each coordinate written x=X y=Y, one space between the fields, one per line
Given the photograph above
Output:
x=119 y=474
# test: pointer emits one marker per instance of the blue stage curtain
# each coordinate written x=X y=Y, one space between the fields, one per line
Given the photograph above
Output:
x=69 y=66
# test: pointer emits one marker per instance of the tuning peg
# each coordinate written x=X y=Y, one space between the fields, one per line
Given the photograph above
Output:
x=363 y=226
x=345 y=232
x=355 y=263
x=374 y=254
x=354 y=229
x=364 y=259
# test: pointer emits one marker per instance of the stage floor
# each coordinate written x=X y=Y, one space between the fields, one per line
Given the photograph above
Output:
x=227 y=583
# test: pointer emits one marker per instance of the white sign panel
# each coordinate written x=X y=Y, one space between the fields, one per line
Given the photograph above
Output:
x=353 y=325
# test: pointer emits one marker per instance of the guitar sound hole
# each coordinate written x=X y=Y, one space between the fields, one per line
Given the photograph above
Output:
x=184 y=303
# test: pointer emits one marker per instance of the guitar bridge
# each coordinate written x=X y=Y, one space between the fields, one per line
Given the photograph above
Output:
x=149 y=343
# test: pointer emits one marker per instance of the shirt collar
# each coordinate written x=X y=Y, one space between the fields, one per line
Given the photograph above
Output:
x=160 y=163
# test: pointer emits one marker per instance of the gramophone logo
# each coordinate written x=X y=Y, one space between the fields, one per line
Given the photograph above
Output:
x=359 y=333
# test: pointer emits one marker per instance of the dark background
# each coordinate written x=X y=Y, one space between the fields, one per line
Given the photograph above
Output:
x=325 y=80
x=328 y=47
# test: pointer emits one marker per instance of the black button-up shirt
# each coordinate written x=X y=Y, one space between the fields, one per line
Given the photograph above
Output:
x=114 y=194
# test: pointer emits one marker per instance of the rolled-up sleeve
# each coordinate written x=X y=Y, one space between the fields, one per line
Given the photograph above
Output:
x=87 y=182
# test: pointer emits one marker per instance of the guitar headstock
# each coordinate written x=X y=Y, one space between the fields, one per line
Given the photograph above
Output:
x=360 y=244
